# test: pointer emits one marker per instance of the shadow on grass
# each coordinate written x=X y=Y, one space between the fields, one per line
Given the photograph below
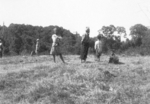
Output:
x=88 y=62
x=118 y=63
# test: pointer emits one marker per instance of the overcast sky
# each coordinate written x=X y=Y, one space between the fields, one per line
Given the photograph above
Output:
x=75 y=15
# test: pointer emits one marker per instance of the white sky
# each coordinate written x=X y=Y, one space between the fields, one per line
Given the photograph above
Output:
x=75 y=15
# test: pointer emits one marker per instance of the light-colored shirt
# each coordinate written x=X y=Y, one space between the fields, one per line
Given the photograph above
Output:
x=1 y=46
x=37 y=46
x=55 y=39
x=98 y=46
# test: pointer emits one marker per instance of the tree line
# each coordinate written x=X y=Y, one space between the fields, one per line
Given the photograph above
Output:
x=20 y=39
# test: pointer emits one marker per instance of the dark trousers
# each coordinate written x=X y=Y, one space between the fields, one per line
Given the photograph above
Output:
x=98 y=54
x=1 y=54
x=84 y=51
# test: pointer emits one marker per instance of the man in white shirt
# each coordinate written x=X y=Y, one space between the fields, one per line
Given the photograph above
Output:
x=98 y=47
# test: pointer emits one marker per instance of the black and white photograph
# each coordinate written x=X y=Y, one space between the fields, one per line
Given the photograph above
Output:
x=74 y=52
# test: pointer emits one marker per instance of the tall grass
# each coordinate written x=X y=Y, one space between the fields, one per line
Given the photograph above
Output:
x=77 y=83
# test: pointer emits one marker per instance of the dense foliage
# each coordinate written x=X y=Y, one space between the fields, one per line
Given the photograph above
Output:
x=138 y=44
x=20 y=39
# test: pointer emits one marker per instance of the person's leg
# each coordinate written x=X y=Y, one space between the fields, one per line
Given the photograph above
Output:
x=86 y=51
x=54 y=58
x=99 y=56
x=32 y=53
x=82 y=53
x=0 y=54
x=61 y=57
x=110 y=59
x=96 y=55
x=36 y=52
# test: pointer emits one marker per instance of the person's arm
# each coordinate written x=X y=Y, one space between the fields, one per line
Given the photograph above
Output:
x=59 y=37
x=83 y=36
x=95 y=45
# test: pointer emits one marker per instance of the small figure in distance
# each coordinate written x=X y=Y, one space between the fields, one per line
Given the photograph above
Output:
x=55 y=49
x=98 y=47
x=36 y=49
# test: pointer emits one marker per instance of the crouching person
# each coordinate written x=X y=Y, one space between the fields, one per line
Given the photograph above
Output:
x=113 y=58
x=98 y=47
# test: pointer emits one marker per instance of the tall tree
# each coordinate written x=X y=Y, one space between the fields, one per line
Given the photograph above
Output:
x=121 y=31
x=137 y=32
x=108 y=32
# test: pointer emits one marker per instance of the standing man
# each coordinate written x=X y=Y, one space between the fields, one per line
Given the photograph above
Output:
x=55 y=49
x=98 y=47
x=85 y=45
x=37 y=47
x=1 y=48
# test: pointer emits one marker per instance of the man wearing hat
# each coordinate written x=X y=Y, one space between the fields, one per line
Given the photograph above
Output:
x=55 y=49
x=85 y=45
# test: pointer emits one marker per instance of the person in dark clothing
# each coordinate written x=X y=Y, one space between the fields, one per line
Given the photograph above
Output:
x=85 y=45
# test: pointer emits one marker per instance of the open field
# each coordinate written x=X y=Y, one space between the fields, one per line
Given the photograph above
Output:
x=38 y=80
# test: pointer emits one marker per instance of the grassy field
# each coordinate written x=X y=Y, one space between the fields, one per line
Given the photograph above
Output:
x=38 y=80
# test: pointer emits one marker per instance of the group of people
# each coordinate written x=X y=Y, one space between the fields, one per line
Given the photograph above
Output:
x=98 y=46
x=55 y=48
x=85 y=42
x=56 y=51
